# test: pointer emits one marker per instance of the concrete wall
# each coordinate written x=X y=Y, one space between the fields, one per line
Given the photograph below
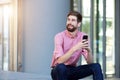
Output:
x=41 y=20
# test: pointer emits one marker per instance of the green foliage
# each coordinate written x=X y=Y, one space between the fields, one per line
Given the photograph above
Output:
x=86 y=27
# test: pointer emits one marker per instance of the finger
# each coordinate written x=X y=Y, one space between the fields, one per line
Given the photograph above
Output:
x=83 y=41
x=85 y=44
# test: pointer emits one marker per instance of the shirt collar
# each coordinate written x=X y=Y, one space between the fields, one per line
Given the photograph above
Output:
x=69 y=35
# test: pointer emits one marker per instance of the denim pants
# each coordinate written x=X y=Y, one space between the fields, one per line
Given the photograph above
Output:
x=63 y=72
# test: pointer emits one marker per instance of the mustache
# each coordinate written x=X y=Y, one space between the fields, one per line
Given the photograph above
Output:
x=70 y=25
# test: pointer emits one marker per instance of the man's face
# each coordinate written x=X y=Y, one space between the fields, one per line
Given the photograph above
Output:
x=71 y=23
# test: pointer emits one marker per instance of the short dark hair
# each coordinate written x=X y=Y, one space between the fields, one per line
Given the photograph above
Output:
x=77 y=14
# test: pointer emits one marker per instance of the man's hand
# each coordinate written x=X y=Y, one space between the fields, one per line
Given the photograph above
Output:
x=81 y=45
x=84 y=45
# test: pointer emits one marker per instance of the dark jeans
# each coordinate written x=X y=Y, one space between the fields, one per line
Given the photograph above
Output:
x=63 y=72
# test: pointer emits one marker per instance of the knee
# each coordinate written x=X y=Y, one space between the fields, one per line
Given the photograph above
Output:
x=61 y=67
x=96 y=66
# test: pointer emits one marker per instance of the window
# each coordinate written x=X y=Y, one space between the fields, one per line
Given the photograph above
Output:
x=8 y=35
x=98 y=22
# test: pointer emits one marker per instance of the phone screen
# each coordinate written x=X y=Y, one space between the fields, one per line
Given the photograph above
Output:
x=85 y=37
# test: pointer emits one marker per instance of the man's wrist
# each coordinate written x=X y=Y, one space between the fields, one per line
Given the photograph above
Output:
x=73 y=49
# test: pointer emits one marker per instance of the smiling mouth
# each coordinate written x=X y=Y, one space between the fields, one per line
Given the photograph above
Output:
x=70 y=26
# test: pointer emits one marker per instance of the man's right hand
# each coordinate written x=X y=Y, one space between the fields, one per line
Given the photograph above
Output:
x=81 y=45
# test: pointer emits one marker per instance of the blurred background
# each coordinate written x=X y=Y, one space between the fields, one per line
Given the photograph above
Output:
x=28 y=27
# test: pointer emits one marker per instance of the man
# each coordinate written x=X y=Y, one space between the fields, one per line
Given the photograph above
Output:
x=69 y=46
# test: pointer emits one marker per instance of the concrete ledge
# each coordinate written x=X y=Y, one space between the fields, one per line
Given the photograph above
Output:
x=8 y=75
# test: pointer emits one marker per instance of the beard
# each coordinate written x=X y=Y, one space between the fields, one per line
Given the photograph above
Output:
x=71 y=29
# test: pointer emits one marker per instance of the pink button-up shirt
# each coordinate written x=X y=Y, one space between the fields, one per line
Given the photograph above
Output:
x=63 y=42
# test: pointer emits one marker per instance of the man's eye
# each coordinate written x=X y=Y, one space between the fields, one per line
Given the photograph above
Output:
x=73 y=20
x=68 y=19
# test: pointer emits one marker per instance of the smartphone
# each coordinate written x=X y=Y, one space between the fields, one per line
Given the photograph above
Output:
x=85 y=37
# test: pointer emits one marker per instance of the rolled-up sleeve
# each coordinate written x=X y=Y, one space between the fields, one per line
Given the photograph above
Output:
x=84 y=53
x=58 y=41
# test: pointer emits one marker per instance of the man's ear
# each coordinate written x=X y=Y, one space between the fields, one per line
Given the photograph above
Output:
x=79 y=24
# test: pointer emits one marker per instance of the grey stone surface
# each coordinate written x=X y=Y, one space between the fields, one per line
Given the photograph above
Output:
x=8 y=75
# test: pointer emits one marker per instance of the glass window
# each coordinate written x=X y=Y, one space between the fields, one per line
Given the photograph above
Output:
x=110 y=53
x=4 y=20
x=98 y=34
x=8 y=35
x=0 y=38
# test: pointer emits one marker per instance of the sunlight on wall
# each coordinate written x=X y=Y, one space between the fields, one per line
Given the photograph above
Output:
x=5 y=1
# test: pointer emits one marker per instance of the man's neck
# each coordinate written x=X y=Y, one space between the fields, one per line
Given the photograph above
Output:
x=73 y=34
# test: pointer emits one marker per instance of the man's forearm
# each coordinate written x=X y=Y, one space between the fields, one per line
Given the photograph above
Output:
x=89 y=57
x=66 y=56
